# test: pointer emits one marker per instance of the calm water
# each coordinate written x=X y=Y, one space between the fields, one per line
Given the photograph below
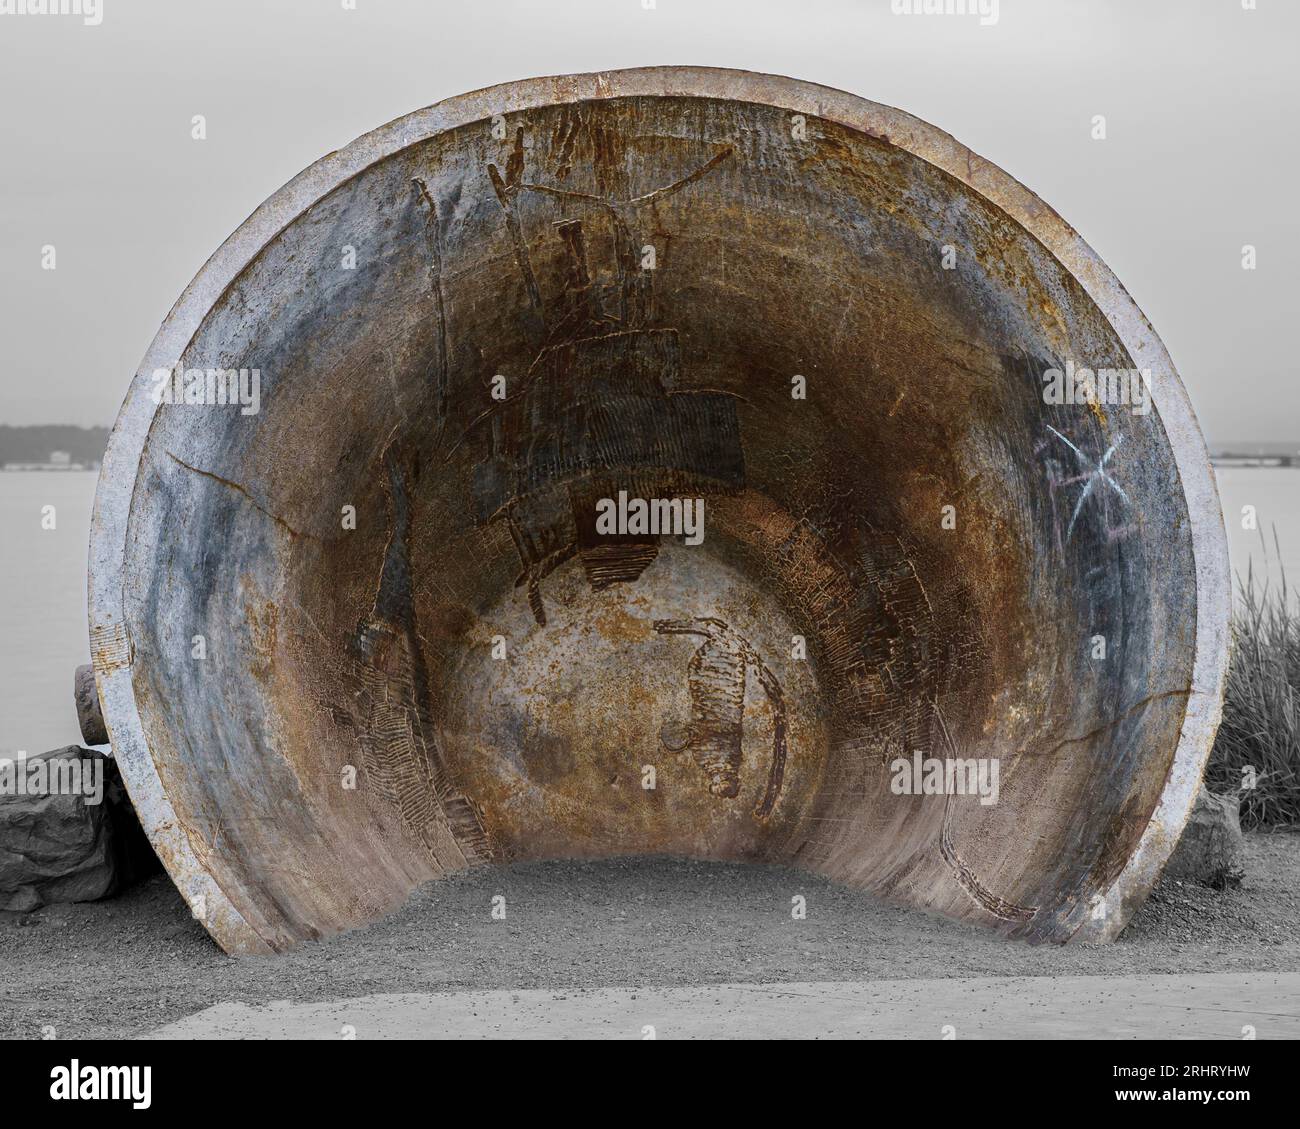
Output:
x=43 y=609
x=43 y=578
x=1275 y=494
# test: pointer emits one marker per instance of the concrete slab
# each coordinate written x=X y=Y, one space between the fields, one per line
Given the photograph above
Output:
x=1089 y=1007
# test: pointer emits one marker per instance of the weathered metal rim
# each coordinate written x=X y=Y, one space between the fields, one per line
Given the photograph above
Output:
x=110 y=644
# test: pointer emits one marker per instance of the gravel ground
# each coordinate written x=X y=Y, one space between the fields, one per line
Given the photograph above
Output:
x=125 y=966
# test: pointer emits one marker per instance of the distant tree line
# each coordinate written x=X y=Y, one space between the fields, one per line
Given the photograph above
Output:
x=34 y=444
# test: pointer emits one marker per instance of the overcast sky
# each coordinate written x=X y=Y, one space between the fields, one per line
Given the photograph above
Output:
x=96 y=157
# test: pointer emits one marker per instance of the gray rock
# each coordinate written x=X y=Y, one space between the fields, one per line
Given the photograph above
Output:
x=89 y=715
x=56 y=843
x=1210 y=850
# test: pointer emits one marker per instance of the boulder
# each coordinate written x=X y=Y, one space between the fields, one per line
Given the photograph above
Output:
x=1210 y=850
x=89 y=715
x=68 y=832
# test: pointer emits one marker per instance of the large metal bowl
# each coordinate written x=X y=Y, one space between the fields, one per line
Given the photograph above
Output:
x=922 y=557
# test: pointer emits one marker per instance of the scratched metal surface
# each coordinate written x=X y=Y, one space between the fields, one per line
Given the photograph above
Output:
x=775 y=254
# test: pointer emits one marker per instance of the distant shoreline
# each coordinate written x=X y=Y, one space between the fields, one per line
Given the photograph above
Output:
x=51 y=447
x=40 y=468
